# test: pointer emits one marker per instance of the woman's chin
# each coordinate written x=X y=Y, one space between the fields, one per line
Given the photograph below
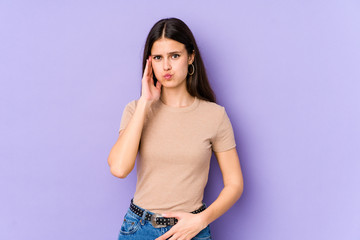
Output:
x=172 y=84
x=169 y=84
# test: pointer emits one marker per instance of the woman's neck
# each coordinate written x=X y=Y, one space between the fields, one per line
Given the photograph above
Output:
x=174 y=98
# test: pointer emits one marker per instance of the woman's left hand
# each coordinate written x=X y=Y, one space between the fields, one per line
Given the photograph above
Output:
x=187 y=227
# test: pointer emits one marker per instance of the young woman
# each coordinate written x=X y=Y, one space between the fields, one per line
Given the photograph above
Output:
x=175 y=126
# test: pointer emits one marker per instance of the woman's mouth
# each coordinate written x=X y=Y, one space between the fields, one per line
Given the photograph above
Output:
x=167 y=76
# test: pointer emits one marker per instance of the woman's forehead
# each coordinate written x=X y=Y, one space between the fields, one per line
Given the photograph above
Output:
x=166 y=46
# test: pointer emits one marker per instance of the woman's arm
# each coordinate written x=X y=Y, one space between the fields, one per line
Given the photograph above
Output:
x=123 y=154
x=233 y=185
x=192 y=224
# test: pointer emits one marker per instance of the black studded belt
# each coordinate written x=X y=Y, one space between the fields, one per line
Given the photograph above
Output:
x=156 y=219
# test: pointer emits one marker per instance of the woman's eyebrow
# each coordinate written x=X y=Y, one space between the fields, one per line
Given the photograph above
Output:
x=169 y=53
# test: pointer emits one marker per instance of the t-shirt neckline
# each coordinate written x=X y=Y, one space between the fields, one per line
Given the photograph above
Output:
x=180 y=109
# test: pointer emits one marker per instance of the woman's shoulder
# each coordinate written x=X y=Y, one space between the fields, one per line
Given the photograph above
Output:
x=211 y=108
x=130 y=106
x=211 y=105
x=132 y=103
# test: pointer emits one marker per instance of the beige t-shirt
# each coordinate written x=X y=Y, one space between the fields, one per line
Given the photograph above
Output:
x=174 y=153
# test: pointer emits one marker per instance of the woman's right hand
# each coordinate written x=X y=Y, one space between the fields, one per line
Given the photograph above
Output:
x=150 y=92
x=122 y=156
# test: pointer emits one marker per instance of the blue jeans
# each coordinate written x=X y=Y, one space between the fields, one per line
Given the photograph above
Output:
x=135 y=227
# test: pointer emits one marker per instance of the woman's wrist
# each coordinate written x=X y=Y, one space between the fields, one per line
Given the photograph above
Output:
x=204 y=218
x=144 y=102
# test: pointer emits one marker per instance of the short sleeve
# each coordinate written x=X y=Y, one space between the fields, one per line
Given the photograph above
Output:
x=224 y=139
x=127 y=114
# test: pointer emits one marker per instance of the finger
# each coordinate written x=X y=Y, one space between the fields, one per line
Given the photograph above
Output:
x=176 y=237
x=158 y=84
x=146 y=68
x=172 y=214
x=182 y=237
x=167 y=234
x=150 y=69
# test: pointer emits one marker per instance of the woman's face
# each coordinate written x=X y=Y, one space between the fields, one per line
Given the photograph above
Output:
x=170 y=62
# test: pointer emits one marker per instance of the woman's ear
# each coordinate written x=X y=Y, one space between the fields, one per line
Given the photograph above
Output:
x=191 y=57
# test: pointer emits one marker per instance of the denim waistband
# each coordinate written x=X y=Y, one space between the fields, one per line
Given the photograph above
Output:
x=147 y=211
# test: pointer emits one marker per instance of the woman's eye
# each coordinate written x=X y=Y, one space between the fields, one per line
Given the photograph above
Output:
x=157 y=57
x=176 y=55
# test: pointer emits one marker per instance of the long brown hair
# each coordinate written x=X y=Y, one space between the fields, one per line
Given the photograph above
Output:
x=175 y=29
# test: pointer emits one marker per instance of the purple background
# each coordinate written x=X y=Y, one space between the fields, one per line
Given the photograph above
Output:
x=287 y=72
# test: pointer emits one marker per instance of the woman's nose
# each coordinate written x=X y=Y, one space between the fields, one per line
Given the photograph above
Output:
x=167 y=65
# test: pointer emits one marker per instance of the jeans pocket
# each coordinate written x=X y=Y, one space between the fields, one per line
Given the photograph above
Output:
x=130 y=224
x=203 y=234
